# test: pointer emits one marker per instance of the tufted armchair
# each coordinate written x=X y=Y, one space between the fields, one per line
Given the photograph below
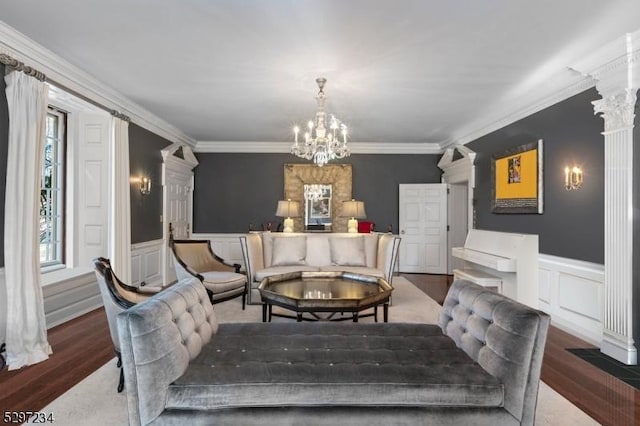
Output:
x=117 y=297
x=195 y=258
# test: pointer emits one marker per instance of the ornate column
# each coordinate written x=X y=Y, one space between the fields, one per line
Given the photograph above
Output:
x=617 y=319
x=617 y=81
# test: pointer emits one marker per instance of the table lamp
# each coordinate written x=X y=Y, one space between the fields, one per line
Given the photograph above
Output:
x=288 y=209
x=354 y=210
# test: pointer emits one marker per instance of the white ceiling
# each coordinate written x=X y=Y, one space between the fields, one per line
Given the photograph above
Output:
x=399 y=71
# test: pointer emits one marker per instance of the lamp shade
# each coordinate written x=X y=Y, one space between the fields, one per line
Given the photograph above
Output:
x=288 y=208
x=354 y=209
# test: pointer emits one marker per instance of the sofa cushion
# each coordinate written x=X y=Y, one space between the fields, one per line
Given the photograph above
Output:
x=219 y=281
x=320 y=364
x=318 y=251
x=276 y=270
x=347 y=251
x=289 y=251
x=371 y=249
x=363 y=270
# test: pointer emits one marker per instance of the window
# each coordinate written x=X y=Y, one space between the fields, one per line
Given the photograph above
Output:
x=52 y=192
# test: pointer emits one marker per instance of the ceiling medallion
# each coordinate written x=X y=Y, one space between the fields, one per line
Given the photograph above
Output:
x=322 y=143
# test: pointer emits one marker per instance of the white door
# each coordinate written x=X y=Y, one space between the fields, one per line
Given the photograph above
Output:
x=423 y=228
x=178 y=192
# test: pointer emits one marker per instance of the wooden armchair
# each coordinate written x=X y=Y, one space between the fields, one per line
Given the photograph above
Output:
x=117 y=297
x=223 y=280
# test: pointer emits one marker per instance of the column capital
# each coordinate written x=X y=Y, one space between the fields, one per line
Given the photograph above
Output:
x=617 y=110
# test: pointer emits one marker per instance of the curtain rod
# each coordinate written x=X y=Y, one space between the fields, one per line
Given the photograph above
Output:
x=20 y=66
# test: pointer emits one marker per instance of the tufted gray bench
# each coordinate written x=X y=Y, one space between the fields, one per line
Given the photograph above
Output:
x=480 y=365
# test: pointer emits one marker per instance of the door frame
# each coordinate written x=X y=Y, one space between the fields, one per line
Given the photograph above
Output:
x=460 y=171
x=183 y=164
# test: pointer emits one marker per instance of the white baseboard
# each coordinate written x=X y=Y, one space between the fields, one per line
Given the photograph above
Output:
x=571 y=291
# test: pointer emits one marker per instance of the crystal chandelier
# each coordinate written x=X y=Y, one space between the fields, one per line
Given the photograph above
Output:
x=323 y=141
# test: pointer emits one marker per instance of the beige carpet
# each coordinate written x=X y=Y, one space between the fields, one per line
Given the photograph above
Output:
x=94 y=401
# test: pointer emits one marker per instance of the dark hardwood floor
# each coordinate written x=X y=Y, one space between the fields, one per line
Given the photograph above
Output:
x=83 y=345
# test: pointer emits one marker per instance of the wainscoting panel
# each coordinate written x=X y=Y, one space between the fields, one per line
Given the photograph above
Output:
x=571 y=291
x=146 y=263
x=70 y=298
x=227 y=246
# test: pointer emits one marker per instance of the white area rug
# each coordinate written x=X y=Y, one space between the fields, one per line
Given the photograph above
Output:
x=94 y=401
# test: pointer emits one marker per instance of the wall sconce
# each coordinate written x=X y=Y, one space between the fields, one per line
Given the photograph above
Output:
x=145 y=185
x=572 y=178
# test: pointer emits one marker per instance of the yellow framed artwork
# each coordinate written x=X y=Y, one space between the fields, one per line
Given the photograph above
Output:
x=516 y=177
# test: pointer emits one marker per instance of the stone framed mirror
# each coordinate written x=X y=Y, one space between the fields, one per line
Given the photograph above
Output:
x=317 y=206
x=337 y=176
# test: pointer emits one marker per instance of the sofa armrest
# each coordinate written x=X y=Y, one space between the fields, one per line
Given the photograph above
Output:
x=505 y=337
x=388 y=247
x=252 y=253
x=158 y=339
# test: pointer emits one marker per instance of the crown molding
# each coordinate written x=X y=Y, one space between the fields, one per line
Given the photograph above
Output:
x=616 y=54
x=285 y=147
x=614 y=66
x=67 y=76
x=501 y=119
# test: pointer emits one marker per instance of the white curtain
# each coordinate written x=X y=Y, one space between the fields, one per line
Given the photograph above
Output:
x=26 y=326
x=120 y=215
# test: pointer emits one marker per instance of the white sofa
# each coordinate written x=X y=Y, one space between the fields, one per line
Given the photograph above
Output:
x=271 y=253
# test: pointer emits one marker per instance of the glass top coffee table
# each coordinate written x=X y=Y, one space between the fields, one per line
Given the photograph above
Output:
x=324 y=292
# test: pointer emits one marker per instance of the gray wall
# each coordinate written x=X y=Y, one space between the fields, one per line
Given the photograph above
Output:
x=145 y=159
x=572 y=224
x=4 y=146
x=235 y=190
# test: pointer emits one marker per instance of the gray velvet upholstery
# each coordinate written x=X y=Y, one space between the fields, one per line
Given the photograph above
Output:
x=158 y=340
x=333 y=363
x=181 y=368
x=505 y=337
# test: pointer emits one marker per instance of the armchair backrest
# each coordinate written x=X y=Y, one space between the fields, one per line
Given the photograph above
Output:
x=113 y=299
x=197 y=256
